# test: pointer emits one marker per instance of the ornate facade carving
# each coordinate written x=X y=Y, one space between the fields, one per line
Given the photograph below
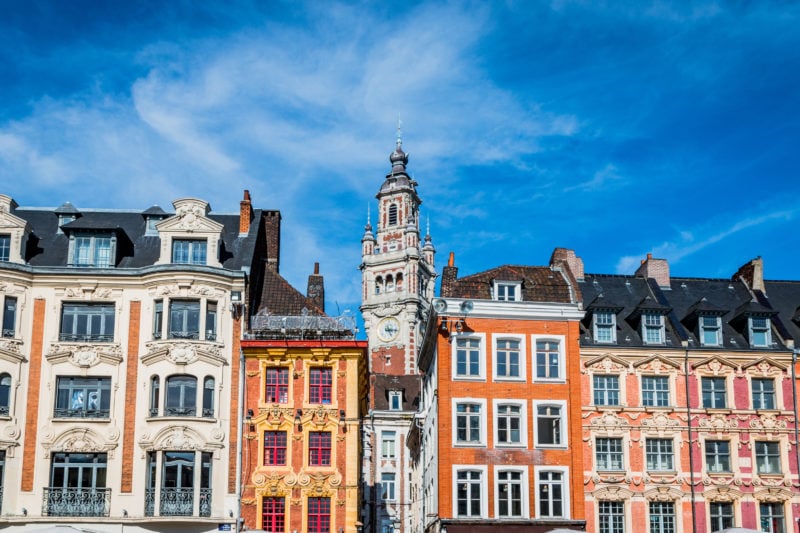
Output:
x=85 y=355
x=178 y=438
x=184 y=352
x=78 y=440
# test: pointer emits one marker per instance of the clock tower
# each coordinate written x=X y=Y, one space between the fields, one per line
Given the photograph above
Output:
x=398 y=278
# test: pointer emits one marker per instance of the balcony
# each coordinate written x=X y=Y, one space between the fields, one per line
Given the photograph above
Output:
x=78 y=337
x=177 y=502
x=81 y=413
x=307 y=327
x=59 y=501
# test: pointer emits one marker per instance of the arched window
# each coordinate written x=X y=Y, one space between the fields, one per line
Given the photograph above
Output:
x=5 y=393
x=181 y=396
x=389 y=283
x=393 y=215
x=399 y=282
x=208 y=397
x=378 y=285
x=155 y=387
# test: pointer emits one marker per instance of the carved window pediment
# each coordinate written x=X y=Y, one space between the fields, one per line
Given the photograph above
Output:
x=764 y=367
x=11 y=351
x=80 y=440
x=606 y=364
x=85 y=355
x=182 y=438
x=183 y=353
x=657 y=364
x=715 y=365
x=663 y=494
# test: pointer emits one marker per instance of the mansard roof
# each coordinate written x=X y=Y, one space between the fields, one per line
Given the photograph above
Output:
x=539 y=284
x=278 y=297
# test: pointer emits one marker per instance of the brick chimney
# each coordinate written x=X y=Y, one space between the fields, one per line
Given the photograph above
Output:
x=245 y=214
x=316 y=288
x=272 y=234
x=752 y=273
x=658 y=269
x=449 y=277
x=568 y=257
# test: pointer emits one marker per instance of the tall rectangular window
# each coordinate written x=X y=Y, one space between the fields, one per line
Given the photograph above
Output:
x=319 y=448
x=388 y=439
x=77 y=477
x=604 y=325
x=468 y=493
x=319 y=515
x=718 y=456
x=5 y=247
x=507 y=359
x=273 y=514
x=768 y=457
x=652 y=328
x=320 y=386
x=158 y=318
x=772 y=517
x=468 y=357
x=662 y=517
x=468 y=423
x=548 y=360
x=387 y=486
x=655 y=391
x=606 y=390
x=714 y=395
x=509 y=424
x=87 y=322
x=91 y=250
x=510 y=494
x=720 y=515
x=184 y=319
x=211 y=321
x=551 y=494
x=759 y=328
x=395 y=400
x=189 y=251
x=82 y=397
x=710 y=330
x=549 y=425
x=611 y=516
x=277 y=385
x=763 y=393
x=275 y=448
x=608 y=454
x=659 y=454
x=9 y=317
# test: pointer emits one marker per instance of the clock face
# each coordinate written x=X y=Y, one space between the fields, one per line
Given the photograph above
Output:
x=388 y=328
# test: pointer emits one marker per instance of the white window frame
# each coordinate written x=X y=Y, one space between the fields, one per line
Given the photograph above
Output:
x=757 y=456
x=612 y=326
x=92 y=251
x=563 y=421
x=656 y=392
x=767 y=331
x=484 y=484
x=483 y=417
x=562 y=366
x=523 y=429
x=388 y=487
x=388 y=442
x=611 y=525
x=731 y=462
x=716 y=329
x=5 y=247
x=523 y=356
x=503 y=286
x=606 y=390
x=608 y=454
x=395 y=395
x=660 y=454
x=714 y=379
x=653 y=326
x=481 y=338
x=523 y=470
x=565 y=489
x=762 y=394
x=782 y=507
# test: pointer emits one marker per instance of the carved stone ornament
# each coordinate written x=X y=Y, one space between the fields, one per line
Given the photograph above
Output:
x=716 y=365
x=11 y=350
x=657 y=364
x=660 y=422
x=773 y=495
x=11 y=431
x=768 y=423
x=77 y=440
x=178 y=438
x=663 y=494
x=387 y=310
x=85 y=355
x=717 y=422
x=183 y=352
x=612 y=493
x=609 y=422
x=607 y=364
x=765 y=367
x=722 y=494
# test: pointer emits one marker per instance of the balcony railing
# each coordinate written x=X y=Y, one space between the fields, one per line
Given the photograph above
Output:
x=81 y=337
x=302 y=327
x=177 y=502
x=8 y=333
x=189 y=335
x=58 y=501
x=81 y=413
x=180 y=411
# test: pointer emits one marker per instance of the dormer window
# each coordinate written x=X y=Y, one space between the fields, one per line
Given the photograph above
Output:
x=652 y=328
x=189 y=251
x=604 y=324
x=505 y=291
x=710 y=330
x=759 y=330
x=393 y=215
x=93 y=250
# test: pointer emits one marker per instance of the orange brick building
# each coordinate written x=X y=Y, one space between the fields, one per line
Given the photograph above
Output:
x=498 y=440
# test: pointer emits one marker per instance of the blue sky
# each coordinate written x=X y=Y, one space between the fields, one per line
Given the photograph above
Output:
x=613 y=128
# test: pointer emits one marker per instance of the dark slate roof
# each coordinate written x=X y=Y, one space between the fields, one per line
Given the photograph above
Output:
x=539 y=284
x=278 y=297
x=784 y=297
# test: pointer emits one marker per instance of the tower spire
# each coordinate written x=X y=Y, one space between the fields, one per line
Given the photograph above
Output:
x=399 y=142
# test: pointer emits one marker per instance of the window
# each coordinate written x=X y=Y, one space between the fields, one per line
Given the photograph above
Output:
x=82 y=397
x=155 y=386
x=208 y=397
x=714 y=396
x=179 y=476
x=87 y=322
x=718 y=456
x=721 y=515
x=211 y=321
x=319 y=448
x=319 y=515
x=772 y=518
x=181 y=396
x=189 y=252
x=273 y=515
x=759 y=328
x=91 y=250
x=277 y=385
x=5 y=395
x=274 y=448
x=549 y=425
x=605 y=326
x=184 y=319
x=2 y=474
x=320 y=385
x=468 y=493
x=395 y=400
x=763 y=393
x=652 y=328
x=611 y=517
x=9 y=317
x=510 y=494
x=388 y=444
x=608 y=454
x=387 y=486
x=662 y=517
x=768 y=459
x=77 y=477
x=158 y=318
x=606 y=390
x=507 y=292
x=548 y=360
x=393 y=215
x=659 y=454
x=468 y=423
x=551 y=494
x=655 y=391
x=5 y=247
x=710 y=330
x=510 y=424
x=507 y=358
x=468 y=358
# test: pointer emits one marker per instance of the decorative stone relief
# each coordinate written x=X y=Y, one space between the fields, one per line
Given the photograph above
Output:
x=609 y=422
x=773 y=495
x=11 y=431
x=663 y=494
x=85 y=355
x=11 y=350
x=178 y=438
x=717 y=422
x=722 y=494
x=660 y=422
x=612 y=493
x=768 y=423
x=76 y=440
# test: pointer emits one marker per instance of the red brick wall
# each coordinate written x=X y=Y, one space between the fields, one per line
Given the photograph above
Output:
x=234 y=415
x=32 y=404
x=131 y=382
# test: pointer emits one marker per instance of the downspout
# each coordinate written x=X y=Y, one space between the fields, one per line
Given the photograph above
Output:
x=240 y=435
x=685 y=345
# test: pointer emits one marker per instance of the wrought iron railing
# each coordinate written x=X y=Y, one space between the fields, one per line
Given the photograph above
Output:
x=189 y=335
x=58 y=501
x=208 y=413
x=176 y=502
x=205 y=502
x=149 y=502
x=83 y=337
x=8 y=333
x=180 y=411
x=3 y=412
x=301 y=327
x=1 y=498
x=81 y=413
